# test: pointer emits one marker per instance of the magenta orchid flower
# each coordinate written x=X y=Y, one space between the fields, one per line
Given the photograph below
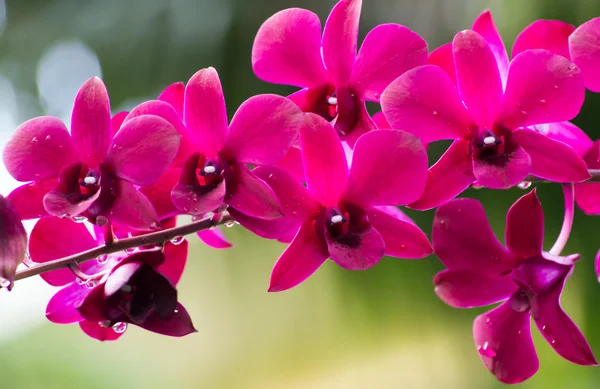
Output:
x=214 y=155
x=580 y=45
x=493 y=145
x=338 y=214
x=527 y=280
x=288 y=49
x=89 y=172
x=47 y=243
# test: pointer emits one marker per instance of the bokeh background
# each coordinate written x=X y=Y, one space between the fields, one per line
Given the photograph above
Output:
x=383 y=328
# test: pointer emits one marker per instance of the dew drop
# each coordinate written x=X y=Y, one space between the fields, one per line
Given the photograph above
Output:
x=524 y=185
x=524 y=114
x=104 y=324
x=436 y=113
x=488 y=321
x=119 y=327
x=102 y=259
x=555 y=86
x=34 y=140
x=101 y=221
x=230 y=223
x=177 y=240
x=79 y=219
x=487 y=351
x=543 y=101
x=91 y=283
x=79 y=281
x=4 y=283
x=48 y=137
x=131 y=250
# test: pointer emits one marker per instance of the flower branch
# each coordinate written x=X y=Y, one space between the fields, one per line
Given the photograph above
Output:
x=153 y=238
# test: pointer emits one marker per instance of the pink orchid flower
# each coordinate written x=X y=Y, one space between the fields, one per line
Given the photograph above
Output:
x=47 y=243
x=580 y=45
x=212 y=160
x=13 y=240
x=338 y=213
x=493 y=145
x=88 y=172
x=288 y=49
x=527 y=280
x=159 y=193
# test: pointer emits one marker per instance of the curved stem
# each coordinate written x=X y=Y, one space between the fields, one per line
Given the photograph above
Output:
x=565 y=231
x=152 y=238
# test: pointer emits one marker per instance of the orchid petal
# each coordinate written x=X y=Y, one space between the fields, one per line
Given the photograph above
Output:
x=387 y=51
x=47 y=243
x=463 y=239
x=283 y=229
x=66 y=200
x=250 y=195
x=287 y=49
x=369 y=181
x=512 y=168
x=159 y=193
x=204 y=111
x=299 y=261
x=558 y=328
x=132 y=209
x=585 y=52
x=403 y=239
x=448 y=177
x=552 y=35
x=503 y=338
x=542 y=87
x=425 y=102
x=381 y=122
x=568 y=133
x=587 y=196
x=174 y=96
x=478 y=76
x=214 y=238
x=444 y=58
x=324 y=159
x=162 y=109
x=90 y=121
x=552 y=159
x=366 y=249
x=484 y=25
x=39 y=149
x=468 y=289
x=117 y=121
x=339 y=39
x=262 y=130
x=28 y=199
x=177 y=324
x=94 y=330
x=62 y=307
x=142 y=139
x=175 y=260
x=525 y=226
x=292 y=163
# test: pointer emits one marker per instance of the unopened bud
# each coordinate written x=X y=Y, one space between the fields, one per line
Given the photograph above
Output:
x=13 y=243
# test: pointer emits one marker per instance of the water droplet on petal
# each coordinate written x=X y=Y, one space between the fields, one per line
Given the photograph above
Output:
x=487 y=351
x=102 y=259
x=79 y=219
x=48 y=137
x=34 y=140
x=436 y=113
x=524 y=114
x=119 y=327
x=4 y=283
x=524 y=185
x=104 y=324
x=131 y=250
x=79 y=281
x=101 y=221
x=555 y=86
x=543 y=101
x=230 y=223
x=91 y=283
x=177 y=240
x=488 y=321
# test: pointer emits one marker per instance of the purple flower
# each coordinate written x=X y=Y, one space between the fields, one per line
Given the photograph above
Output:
x=214 y=154
x=579 y=45
x=288 y=49
x=529 y=282
x=88 y=172
x=489 y=122
x=48 y=242
x=13 y=243
x=340 y=214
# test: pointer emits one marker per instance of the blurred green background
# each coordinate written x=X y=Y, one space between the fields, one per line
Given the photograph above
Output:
x=383 y=328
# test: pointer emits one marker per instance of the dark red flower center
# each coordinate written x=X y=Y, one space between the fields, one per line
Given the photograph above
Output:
x=493 y=145
x=340 y=104
x=344 y=224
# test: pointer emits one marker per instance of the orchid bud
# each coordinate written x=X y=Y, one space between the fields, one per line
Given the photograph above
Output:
x=13 y=243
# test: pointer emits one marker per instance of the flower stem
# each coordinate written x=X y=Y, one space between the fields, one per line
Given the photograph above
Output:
x=152 y=238
x=565 y=231
x=595 y=173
